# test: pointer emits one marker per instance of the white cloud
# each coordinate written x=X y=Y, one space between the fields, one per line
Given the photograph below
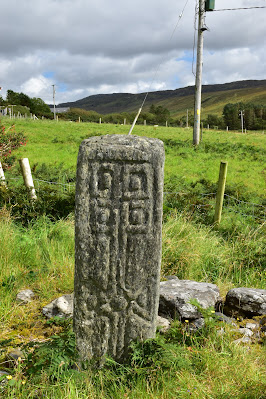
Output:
x=91 y=47
x=36 y=86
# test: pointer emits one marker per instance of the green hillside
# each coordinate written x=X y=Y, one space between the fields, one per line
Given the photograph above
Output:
x=214 y=97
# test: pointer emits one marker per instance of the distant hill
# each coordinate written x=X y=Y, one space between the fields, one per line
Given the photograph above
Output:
x=214 y=97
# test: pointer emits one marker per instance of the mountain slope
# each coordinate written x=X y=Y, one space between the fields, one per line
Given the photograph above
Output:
x=214 y=97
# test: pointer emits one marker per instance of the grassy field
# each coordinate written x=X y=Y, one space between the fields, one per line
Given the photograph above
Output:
x=39 y=255
x=57 y=143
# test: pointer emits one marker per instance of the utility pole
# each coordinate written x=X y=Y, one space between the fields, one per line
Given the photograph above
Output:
x=54 y=100
x=187 y=118
x=242 y=120
x=197 y=106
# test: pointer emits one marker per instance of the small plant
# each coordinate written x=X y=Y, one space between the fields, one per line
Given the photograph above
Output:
x=9 y=141
x=53 y=357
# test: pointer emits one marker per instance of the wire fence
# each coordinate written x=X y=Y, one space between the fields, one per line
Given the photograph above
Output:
x=232 y=204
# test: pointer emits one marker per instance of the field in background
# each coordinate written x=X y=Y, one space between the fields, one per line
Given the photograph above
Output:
x=57 y=143
x=37 y=252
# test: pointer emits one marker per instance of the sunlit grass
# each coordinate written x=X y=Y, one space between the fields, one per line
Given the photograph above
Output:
x=57 y=143
x=40 y=257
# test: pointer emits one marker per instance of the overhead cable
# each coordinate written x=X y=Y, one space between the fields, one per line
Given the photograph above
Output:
x=236 y=9
x=157 y=69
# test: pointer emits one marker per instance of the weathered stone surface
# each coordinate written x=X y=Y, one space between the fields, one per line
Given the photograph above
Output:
x=252 y=326
x=176 y=294
x=163 y=324
x=25 y=296
x=222 y=317
x=248 y=302
x=244 y=340
x=118 y=244
x=245 y=331
x=196 y=324
x=60 y=307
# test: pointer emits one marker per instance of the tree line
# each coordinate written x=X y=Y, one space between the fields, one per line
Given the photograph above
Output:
x=35 y=105
x=155 y=115
x=254 y=117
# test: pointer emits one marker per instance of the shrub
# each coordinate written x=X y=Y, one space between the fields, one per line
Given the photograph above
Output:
x=9 y=141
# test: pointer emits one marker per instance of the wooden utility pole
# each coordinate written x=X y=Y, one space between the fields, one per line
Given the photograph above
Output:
x=197 y=106
x=242 y=120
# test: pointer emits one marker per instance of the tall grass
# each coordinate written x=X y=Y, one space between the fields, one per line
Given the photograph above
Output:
x=198 y=252
x=40 y=258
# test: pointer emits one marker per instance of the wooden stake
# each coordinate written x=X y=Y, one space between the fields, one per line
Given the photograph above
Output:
x=134 y=122
x=220 y=192
x=2 y=176
x=27 y=177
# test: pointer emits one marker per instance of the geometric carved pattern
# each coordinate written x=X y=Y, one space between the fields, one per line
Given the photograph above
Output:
x=117 y=270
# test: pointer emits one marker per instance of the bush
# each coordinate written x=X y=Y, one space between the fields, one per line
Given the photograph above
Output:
x=50 y=202
x=9 y=141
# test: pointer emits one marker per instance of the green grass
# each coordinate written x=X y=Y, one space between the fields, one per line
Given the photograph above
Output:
x=57 y=143
x=40 y=256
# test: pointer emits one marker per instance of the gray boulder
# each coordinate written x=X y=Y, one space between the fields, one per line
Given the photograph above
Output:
x=60 y=307
x=247 y=302
x=25 y=296
x=175 y=296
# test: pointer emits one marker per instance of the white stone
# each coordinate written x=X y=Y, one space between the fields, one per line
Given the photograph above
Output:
x=25 y=296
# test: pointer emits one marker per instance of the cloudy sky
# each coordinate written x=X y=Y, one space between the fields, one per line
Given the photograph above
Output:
x=89 y=47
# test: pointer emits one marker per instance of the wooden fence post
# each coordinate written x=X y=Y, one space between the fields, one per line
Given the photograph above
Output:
x=27 y=177
x=2 y=176
x=220 y=192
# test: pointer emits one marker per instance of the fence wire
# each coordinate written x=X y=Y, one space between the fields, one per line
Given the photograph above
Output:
x=232 y=204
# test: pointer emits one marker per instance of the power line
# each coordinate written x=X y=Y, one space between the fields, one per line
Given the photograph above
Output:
x=159 y=65
x=157 y=69
x=241 y=8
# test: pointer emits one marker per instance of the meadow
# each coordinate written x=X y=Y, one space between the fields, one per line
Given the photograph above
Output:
x=37 y=252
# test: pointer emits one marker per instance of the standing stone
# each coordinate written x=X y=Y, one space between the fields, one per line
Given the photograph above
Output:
x=118 y=221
